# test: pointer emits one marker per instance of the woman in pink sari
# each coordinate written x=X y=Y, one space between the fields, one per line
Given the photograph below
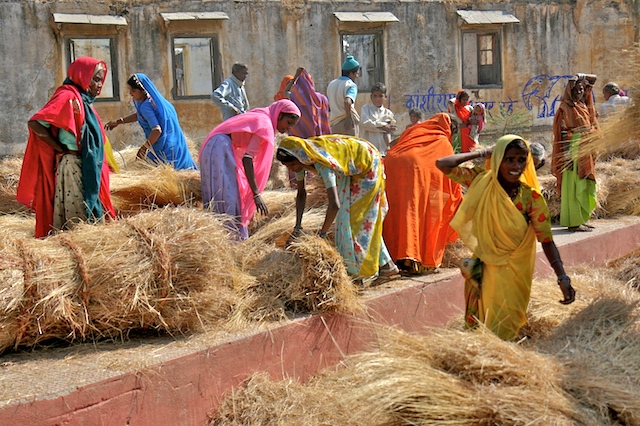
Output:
x=235 y=161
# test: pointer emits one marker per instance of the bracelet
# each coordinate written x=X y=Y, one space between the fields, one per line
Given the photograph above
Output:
x=563 y=277
x=120 y=120
x=556 y=261
x=256 y=196
x=322 y=234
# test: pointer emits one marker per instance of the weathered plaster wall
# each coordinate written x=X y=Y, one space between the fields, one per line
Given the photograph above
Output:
x=422 y=52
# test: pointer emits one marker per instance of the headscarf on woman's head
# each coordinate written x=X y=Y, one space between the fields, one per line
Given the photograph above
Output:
x=314 y=108
x=461 y=110
x=425 y=132
x=283 y=86
x=82 y=70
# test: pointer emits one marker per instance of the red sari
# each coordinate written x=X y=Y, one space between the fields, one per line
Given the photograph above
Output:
x=65 y=110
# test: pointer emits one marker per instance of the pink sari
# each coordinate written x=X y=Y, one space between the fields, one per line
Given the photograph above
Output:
x=261 y=122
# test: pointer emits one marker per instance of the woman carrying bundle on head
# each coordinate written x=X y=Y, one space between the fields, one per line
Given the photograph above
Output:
x=65 y=176
x=351 y=169
x=500 y=218
x=158 y=118
x=235 y=161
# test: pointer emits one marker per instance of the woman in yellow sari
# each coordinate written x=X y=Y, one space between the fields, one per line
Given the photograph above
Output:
x=352 y=171
x=500 y=218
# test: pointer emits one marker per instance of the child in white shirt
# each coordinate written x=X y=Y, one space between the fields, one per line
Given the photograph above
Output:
x=377 y=123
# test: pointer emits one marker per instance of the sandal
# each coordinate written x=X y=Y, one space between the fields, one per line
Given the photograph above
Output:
x=389 y=271
x=581 y=228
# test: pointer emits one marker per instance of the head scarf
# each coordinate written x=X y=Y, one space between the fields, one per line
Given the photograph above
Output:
x=487 y=217
x=347 y=155
x=314 y=108
x=425 y=132
x=461 y=110
x=171 y=146
x=283 y=86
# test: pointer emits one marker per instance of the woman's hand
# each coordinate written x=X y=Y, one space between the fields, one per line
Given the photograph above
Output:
x=260 y=205
x=567 y=291
x=113 y=124
x=142 y=152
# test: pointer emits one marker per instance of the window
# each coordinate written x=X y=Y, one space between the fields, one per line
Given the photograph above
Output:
x=481 y=62
x=102 y=49
x=367 y=49
x=196 y=71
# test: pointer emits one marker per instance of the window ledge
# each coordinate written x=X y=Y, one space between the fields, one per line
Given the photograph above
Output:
x=366 y=17
x=193 y=16
x=484 y=17
x=81 y=18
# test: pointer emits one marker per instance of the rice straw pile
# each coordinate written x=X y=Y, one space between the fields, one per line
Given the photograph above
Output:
x=152 y=271
x=9 y=177
x=579 y=367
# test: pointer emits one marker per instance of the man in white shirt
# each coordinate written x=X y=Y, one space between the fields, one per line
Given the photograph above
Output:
x=342 y=93
x=230 y=96
x=613 y=101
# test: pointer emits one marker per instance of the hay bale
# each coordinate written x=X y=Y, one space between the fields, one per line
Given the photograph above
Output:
x=155 y=187
x=152 y=271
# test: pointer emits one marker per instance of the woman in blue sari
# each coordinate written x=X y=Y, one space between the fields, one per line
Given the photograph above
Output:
x=158 y=118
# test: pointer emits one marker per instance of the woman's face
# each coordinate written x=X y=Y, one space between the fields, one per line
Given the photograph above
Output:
x=294 y=166
x=464 y=100
x=414 y=118
x=513 y=164
x=285 y=122
x=95 y=86
x=577 y=91
x=137 y=94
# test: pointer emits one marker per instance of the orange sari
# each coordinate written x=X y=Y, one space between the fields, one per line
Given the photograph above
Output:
x=422 y=200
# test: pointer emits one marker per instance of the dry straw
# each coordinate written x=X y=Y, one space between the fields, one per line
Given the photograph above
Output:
x=153 y=271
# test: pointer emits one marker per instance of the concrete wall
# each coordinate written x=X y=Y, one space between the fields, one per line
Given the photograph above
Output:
x=422 y=53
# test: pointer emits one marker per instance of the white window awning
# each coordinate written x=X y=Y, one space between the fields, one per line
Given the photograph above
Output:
x=483 y=17
x=81 y=18
x=193 y=16
x=369 y=17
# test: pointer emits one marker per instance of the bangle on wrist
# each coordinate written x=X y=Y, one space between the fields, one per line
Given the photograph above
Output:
x=322 y=234
x=563 y=277
x=256 y=195
x=297 y=228
x=120 y=120
x=556 y=261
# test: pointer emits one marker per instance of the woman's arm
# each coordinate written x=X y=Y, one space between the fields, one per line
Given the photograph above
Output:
x=122 y=120
x=553 y=256
x=247 y=163
x=446 y=164
x=153 y=138
x=332 y=210
x=45 y=134
x=301 y=202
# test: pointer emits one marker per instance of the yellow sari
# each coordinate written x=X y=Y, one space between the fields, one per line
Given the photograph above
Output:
x=495 y=230
x=360 y=181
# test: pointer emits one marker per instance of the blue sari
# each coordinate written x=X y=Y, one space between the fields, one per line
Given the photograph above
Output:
x=171 y=146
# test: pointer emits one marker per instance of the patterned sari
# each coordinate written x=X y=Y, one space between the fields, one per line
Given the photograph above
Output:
x=357 y=168
x=502 y=234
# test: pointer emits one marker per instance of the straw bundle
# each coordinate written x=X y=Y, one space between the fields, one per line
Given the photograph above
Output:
x=153 y=271
x=628 y=268
x=127 y=157
x=618 y=187
x=279 y=203
x=310 y=277
x=154 y=187
x=9 y=176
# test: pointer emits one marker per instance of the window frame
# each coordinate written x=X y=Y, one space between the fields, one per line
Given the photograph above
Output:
x=215 y=60
x=113 y=68
x=498 y=81
x=378 y=33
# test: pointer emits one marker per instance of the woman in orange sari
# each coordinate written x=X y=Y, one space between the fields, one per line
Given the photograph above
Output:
x=462 y=111
x=422 y=200
x=573 y=168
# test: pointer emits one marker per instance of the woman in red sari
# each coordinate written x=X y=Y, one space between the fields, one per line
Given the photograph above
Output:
x=461 y=111
x=65 y=175
x=422 y=201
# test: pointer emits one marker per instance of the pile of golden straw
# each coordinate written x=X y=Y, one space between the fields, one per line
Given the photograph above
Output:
x=579 y=367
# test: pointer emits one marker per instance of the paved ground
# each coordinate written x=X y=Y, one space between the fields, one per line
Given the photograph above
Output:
x=49 y=372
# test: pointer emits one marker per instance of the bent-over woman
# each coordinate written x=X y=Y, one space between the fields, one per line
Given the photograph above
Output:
x=65 y=175
x=158 y=118
x=235 y=161
x=500 y=218
x=422 y=201
x=352 y=172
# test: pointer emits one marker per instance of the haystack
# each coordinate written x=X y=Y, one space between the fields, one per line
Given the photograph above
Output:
x=9 y=176
x=155 y=187
x=153 y=271
x=580 y=368
x=309 y=277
